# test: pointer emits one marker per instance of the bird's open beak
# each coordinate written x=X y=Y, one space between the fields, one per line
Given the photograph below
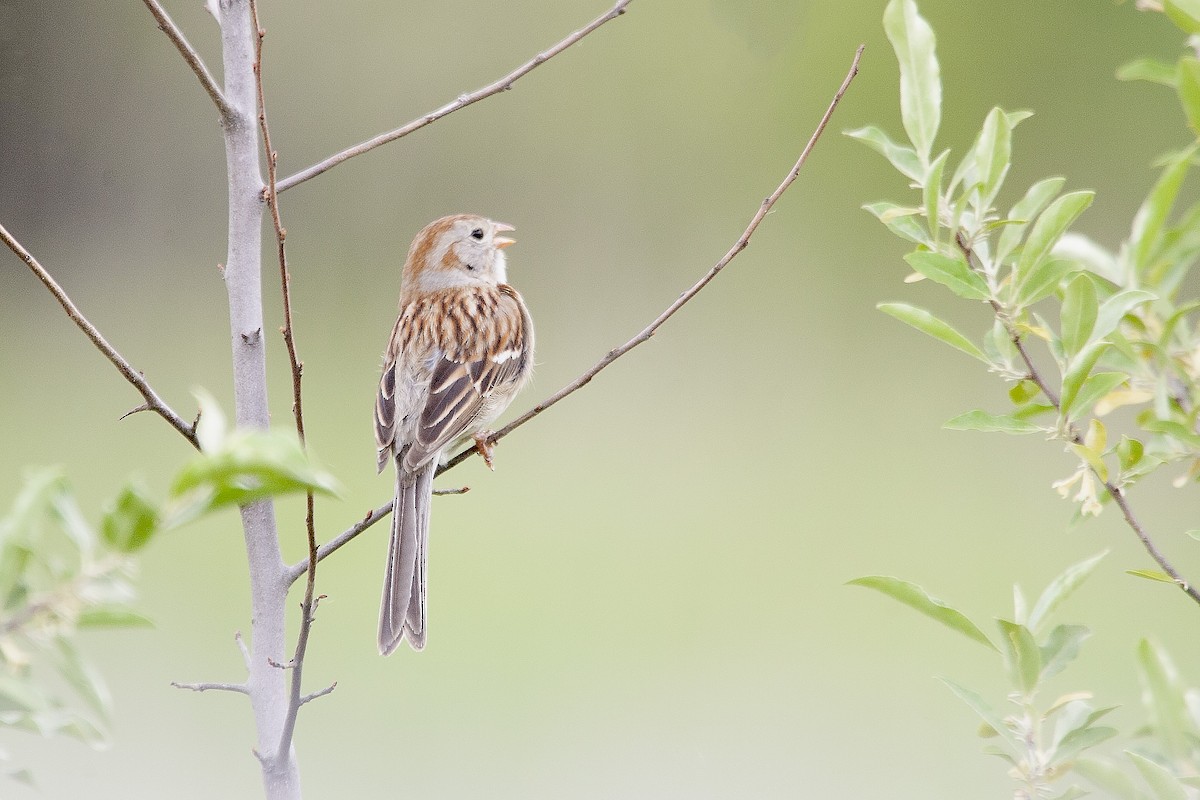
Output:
x=501 y=242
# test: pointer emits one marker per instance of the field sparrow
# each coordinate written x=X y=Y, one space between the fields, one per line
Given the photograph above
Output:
x=460 y=350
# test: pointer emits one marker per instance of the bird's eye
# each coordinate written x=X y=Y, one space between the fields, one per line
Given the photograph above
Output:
x=470 y=267
x=477 y=234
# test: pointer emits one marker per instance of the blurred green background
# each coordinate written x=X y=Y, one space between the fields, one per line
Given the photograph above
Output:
x=646 y=599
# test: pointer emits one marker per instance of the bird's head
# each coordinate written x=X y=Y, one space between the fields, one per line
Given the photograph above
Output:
x=457 y=251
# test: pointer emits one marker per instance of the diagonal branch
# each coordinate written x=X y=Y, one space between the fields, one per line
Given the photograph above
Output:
x=462 y=101
x=296 y=570
x=271 y=193
x=153 y=401
x=1072 y=435
x=168 y=26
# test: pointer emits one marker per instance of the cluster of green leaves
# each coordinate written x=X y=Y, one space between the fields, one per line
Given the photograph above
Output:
x=1112 y=323
x=60 y=574
x=1046 y=744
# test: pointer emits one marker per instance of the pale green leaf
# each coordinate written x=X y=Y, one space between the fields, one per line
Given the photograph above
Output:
x=1151 y=575
x=1162 y=783
x=1078 y=370
x=1095 y=387
x=920 y=78
x=902 y=221
x=1114 y=309
x=933 y=196
x=1148 y=69
x=1163 y=695
x=112 y=616
x=917 y=598
x=130 y=520
x=1061 y=648
x=953 y=273
x=1062 y=587
x=979 y=420
x=927 y=323
x=1146 y=233
x=985 y=712
x=1026 y=209
x=1050 y=225
x=1108 y=777
x=902 y=157
x=1185 y=14
x=1024 y=657
x=1078 y=314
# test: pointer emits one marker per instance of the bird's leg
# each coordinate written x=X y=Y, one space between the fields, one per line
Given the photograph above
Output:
x=486 y=447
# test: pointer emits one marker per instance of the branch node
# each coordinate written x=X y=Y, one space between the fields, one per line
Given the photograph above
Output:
x=135 y=410
x=308 y=698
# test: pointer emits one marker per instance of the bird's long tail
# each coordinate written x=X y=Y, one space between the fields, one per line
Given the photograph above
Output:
x=402 y=612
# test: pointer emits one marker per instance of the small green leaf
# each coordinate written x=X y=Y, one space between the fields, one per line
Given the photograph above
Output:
x=1148 y=69
x=1081 y=739
x=1026 y=209
x=1146 y=233
x=902 y=221
x=82 y=677
x=1062 y=587
x=1129 y=452
x=1185 y=14
x=925 y=322
x=1108 y=777
x=1079 y=311
x=1150 y=575
x=1071 y=793
x=1078 y=370
x=920 y=78
x=1164 y=785
x=953 y=273
x=1024 y=657
x=1165 y=699
x=917 y=598
x=1188 y=89
x=985 y=712
x=1043 y=280
x=130 y=520
x=993 y=154
x=902 y=157
x=978 y=420
x=933 y=196
x=1093 y=388
x=1114 y=309
x=112 y=616
x=1051 y=224
x=1061 y=648
x=1023 y=391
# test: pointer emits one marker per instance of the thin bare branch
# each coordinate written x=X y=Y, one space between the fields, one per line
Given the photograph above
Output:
x=308 y=605
x=738 y=246
x=168 y=26
x=462 y=101
x=459 y=490
x=139 y=382
x=239 y=688
x=308 y=698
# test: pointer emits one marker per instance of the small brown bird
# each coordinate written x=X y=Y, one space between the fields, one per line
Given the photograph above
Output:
x=460 y=350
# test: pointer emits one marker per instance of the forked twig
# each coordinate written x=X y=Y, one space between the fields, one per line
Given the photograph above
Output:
x=168 y=26
x=296 y=570
x=462 y=101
